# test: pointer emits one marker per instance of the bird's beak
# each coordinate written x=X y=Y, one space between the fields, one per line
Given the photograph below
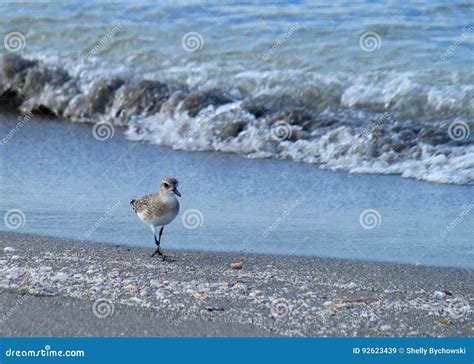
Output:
x=175 y=190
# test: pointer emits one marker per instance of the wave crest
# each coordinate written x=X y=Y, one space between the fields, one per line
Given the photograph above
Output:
x=345 y=128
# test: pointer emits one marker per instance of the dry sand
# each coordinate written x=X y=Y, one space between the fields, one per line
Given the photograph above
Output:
x=56 y=287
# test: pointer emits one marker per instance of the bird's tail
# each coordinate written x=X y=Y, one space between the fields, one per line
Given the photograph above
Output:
x=132 y=203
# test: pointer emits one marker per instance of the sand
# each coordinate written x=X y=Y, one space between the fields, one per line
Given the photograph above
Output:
x=56 y=287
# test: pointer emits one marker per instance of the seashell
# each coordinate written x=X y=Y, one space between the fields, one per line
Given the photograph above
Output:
x=445 y=322
x=131 y=288
x=238 y=265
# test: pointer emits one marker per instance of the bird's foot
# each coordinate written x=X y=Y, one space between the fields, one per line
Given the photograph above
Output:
x=164 y=258
x=157 y=251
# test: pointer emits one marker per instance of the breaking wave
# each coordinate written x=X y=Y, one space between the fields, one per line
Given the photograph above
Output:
x=387 y=124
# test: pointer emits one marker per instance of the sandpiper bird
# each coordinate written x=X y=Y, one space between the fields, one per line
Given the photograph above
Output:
x=159 y=209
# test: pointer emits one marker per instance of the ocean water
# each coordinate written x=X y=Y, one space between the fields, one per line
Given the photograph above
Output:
x=288 y=124
x=361 y=87
x=59 y=180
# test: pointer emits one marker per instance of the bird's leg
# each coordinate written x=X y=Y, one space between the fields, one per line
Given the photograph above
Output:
x=158 y=250
x=157 y=242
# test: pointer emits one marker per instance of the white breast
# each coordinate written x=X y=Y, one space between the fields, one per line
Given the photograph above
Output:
x=161 y=220
x=161 y=212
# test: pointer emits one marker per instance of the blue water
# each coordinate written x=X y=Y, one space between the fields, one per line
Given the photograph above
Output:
x=330 y=71
x=324 y=38
x=304 y=61
x=64 y=180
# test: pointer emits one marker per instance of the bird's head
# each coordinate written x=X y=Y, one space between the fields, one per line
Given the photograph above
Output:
x=169 y=185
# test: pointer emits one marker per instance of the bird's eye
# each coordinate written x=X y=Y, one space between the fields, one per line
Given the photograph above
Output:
x=166 y=185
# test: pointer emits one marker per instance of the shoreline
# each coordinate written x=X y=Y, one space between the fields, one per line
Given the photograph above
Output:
x=233 y=255
x=325 y=201
x=200 y=295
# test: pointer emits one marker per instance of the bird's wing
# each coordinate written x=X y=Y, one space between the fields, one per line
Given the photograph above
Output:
x=141 y=203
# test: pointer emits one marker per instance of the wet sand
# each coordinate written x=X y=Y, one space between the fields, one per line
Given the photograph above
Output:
x=56 y=287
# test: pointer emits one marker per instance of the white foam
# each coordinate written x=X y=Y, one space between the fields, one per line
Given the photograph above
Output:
x=352 y=100
x=342 y=148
